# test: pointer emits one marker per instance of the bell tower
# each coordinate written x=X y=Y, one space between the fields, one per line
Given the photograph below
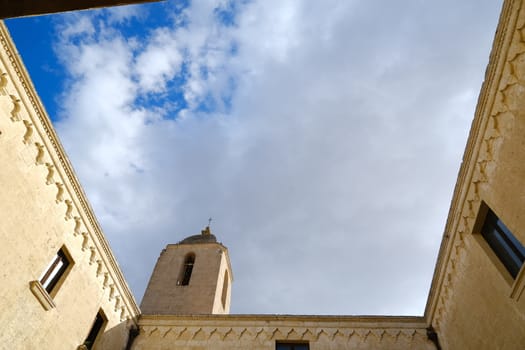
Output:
x=191 y=277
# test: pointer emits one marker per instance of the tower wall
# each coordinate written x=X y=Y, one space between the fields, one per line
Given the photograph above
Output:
x=167 y=295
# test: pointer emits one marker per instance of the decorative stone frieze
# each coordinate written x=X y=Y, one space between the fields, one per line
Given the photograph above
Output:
x=3 y=84
x=15 y=112
x=262 y=331
x=501 y=101
x=27 y=139
x=17 y=90
x=50 y=173
x=39 y=159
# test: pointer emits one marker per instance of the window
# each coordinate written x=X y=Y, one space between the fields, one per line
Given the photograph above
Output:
x=291 y=346
x=96 y=329
x=506 y=247
x=224 y=289
x=55 y=271
x=46 y=287
x=187 y=269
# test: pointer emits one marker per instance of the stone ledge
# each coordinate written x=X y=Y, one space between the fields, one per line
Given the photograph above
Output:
x=42 y=295
x=519 y=285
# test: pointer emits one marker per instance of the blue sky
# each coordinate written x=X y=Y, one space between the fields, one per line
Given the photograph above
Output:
x=37 y=35
x=34 y=35
x=323 y=139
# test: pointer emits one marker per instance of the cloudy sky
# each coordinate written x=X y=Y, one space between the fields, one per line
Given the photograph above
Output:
x=322 y=137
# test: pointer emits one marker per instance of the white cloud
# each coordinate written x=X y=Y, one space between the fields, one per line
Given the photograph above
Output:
x=75 y=24
x=160 y=61
x=125 y=14
x=324 y=140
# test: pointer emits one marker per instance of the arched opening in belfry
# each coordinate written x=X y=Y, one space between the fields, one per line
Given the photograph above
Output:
x=189 y=261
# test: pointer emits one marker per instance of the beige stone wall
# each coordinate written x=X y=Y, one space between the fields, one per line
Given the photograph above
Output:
x=42 y=208
x=164 y=295
x=260 y=332
x=218 y=307
x=474 y=302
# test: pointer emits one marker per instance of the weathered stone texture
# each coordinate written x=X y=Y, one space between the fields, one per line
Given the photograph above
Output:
x=475 y=303
x=42 y=209
x=164 y=294
x=260 y=332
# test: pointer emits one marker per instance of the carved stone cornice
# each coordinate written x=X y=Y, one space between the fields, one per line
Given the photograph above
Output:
x=493 y=114
x=39 y=135
x=361 y=321
x=262 y=329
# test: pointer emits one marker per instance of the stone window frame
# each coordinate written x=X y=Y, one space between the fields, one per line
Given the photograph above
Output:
x=97 y=328
x=517 y=283
x=291 y=345
x=47 y=286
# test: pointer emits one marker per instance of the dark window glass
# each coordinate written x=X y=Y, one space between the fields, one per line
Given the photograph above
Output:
x=188 y=268
x=291 y=346
x=507 y=248
x=55 y=271
x=95 y=330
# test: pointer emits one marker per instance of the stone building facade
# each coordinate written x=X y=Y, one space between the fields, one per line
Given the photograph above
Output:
x=63 y=289
x=43 y=212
